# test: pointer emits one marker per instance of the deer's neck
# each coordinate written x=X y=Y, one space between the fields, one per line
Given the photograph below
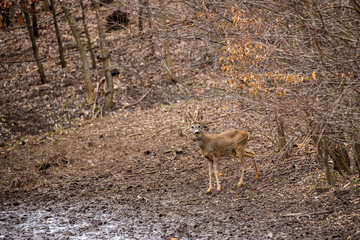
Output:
x=202 y=140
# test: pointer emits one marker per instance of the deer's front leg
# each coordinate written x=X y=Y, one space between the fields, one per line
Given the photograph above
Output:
x=216 y=169
x=242 y=171
x=210 y=162
x=256 y=169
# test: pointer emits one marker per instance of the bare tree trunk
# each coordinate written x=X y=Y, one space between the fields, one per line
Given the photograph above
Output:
x=39 y=63
x=148 y=15
x=84 y=59
x=46 y=5
x=34 y=19
x=280 y=133
x=356 y=149
x=88 y=36
x=324 y=159
x=58 y=36
x=109 y=87
x=141 y=13
x=340 y=157
x=166 y=47
x=337 y=151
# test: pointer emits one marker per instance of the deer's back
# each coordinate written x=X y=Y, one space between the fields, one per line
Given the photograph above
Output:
x=225 y=143
x=233 y=136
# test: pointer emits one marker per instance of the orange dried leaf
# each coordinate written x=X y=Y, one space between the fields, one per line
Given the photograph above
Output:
x=313 y=75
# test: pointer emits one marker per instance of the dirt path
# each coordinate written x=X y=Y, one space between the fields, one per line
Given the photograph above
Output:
x=179 y=213
x=121 y=178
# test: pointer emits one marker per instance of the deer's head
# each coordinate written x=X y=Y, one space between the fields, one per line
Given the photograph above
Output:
x=195 y=122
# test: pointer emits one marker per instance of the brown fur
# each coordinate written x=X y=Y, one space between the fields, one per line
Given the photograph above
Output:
x=215 y=146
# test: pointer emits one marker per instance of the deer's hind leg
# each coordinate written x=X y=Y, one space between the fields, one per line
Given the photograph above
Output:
x=256 y=169
x=241 y=154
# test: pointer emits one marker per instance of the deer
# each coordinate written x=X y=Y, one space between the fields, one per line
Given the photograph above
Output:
x=215 y=146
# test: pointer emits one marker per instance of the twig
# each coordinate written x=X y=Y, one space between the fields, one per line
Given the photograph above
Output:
x=189 y=201
x=244 y=198
x=135 y=134
x=305 y=214
x=133 y=104
x=97 y=102
x=327 y=120
x=7 y=70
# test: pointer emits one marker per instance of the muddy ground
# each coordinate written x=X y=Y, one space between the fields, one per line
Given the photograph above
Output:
x=122 y=178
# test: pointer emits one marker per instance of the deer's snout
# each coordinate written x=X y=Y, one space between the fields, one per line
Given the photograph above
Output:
x=196 y=131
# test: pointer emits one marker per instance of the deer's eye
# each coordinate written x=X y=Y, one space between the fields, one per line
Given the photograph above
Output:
x=192 y=126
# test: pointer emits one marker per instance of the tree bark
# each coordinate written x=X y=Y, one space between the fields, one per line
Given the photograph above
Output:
x=58 y=36
x=166 y=46
x=356 y=149
x=280 y=133
x=109 y=87
x=337 y=151
x=324 y=159
x=141 y=13
x=88 y=36
x=46 y=5
x=84 y=59
x=34 y=19
x=43 y=78
x=148 y=15
x=340 y=157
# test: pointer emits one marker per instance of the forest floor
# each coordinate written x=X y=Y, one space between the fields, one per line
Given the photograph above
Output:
x=136 y=173
x=139 y=175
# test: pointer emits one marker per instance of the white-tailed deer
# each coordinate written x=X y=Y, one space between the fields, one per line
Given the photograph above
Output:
x=215 y=146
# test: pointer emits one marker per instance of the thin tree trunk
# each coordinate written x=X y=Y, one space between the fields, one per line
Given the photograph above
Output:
x=324 y=159
x=58 y=36
x=148 y=15
x=337 y=152
x=341 y=159
x=39 y=63
x=34 y=19
x=141 y=13
x=46 y=5
x=166 y=46
x=280 y=133
x=109 y=87
x=88 y=36
x=84 y=59
x=356 y=150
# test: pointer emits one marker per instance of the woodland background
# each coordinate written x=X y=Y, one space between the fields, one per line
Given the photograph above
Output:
x=298 y=60
x=286 y=71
